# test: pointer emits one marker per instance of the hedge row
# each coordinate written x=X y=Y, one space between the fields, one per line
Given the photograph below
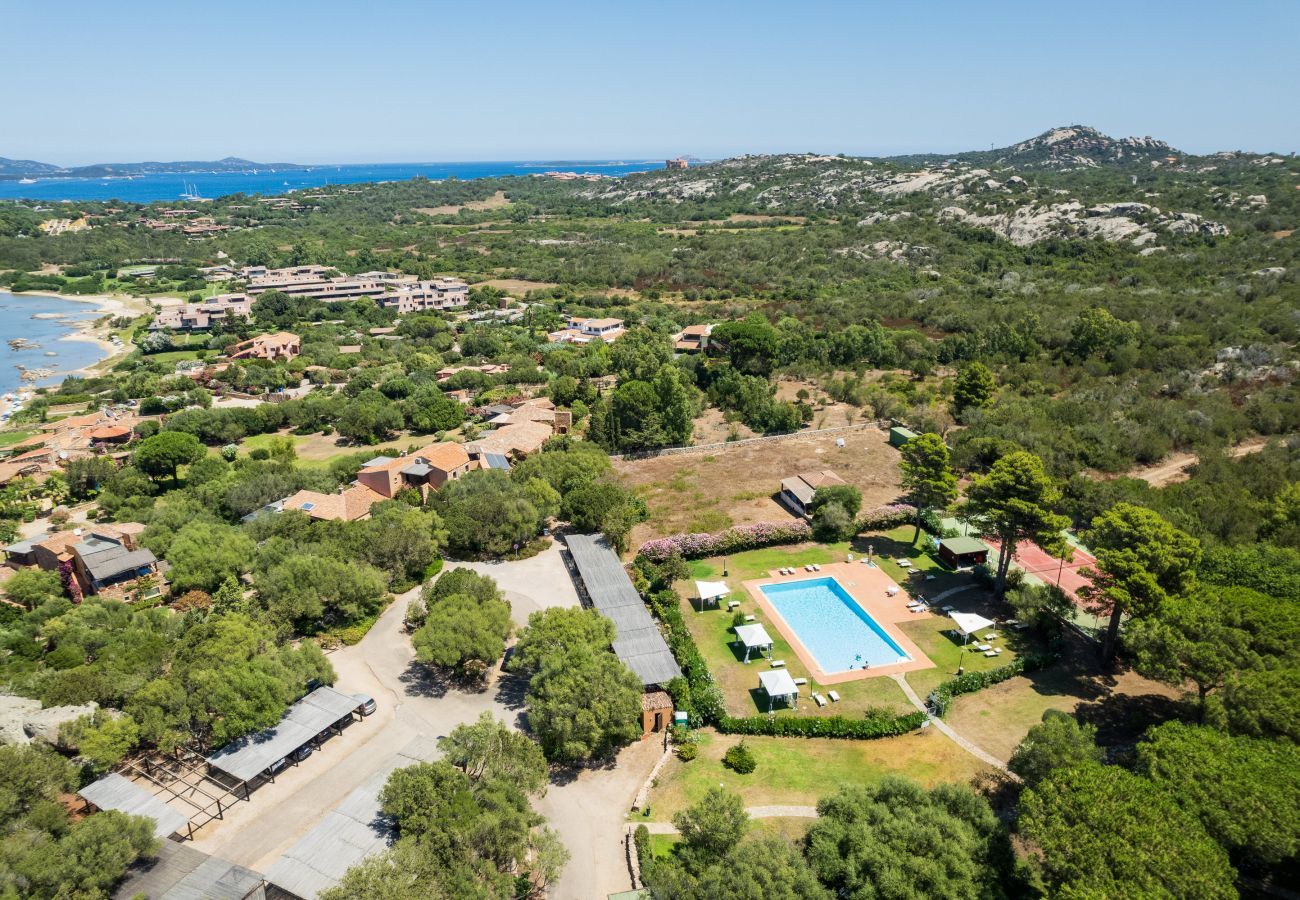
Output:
x=731 y=540
x=827 y=727
x=740 y=538
x=702 y=698
x=971 y=682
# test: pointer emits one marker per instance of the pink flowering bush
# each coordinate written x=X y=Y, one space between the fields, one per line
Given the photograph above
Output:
x=739 y=538
x=732 y=540
x=890 y=515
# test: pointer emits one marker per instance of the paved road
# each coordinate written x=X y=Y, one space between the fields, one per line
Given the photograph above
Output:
x=588 y=811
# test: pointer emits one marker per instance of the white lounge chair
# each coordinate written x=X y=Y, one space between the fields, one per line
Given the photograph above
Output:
x=983 y=647
x=749 y=617
x=816 y=567
x=997 y=651
x=778 y=664
x=808 y=568
x=990 y=653
x=801 y=681
x=821 y=701
x=835 y=697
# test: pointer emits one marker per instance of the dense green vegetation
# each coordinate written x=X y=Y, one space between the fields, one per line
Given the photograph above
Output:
x=1039 y=371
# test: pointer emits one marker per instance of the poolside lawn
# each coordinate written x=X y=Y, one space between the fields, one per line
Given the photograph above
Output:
x=799 y=771
x=713 y=633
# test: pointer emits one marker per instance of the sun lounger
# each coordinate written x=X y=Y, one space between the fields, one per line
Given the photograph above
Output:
x=801 y=681
x=997 y=651
x=816 y=567
x=990 y=653
x=1021 y=626
x=1011 y=622
x=991 y=636
x=904 y=562
x=891 y=590
x=983 y=647
x=778 y=664
x=835 y=698
x=749 y=617
x=821 y=701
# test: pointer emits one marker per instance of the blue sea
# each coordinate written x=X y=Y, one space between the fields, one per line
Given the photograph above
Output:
x=57 y=319
x=148 y=188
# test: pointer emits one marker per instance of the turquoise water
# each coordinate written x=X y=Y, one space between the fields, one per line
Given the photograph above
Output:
x=58 y=318
x=148 y=188
x=839 y=634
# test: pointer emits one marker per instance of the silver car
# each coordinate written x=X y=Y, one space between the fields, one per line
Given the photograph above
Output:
x=365 y=704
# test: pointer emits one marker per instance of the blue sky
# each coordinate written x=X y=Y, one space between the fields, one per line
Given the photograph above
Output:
x=396 y=81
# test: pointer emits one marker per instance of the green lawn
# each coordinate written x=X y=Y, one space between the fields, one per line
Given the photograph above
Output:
x=9 y=438
x=799 y=771
x=712 y=628
x=170 y=357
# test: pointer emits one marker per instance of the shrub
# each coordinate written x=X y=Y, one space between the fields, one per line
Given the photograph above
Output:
x=740 y=759
x=688 y=751
x=868 y=728
x=884 y=517
x=737 y=619
x=736 y=539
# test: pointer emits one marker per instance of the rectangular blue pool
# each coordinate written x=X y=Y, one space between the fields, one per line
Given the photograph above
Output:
x=839 y=634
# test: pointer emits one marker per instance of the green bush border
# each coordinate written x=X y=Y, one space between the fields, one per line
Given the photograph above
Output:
x=822 y=727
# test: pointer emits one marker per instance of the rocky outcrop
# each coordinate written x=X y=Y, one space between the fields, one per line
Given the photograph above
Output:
x=22 y=720
x=1136 y=223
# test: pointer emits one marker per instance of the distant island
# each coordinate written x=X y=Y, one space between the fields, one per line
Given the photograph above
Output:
x=11 y=169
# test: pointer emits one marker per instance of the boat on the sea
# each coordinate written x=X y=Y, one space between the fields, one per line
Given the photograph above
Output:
x=26 y=180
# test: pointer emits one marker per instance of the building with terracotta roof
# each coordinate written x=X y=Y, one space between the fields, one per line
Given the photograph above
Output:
x=100 y=558
x=424 y=470
x=584 y=331
x=513 y=441
x=280 y=345
x=692 y=338
x=350 y=505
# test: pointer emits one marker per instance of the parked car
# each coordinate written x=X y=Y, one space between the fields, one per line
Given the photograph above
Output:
x=366 y=704
x=301 y=753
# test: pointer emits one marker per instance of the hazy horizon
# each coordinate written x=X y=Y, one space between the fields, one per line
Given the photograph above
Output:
x=442 y=82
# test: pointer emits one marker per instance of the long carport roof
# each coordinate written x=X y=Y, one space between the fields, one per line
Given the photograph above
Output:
x=113 y=791
x=249 y=756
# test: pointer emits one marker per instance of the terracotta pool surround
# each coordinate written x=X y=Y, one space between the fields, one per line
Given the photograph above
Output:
x=867 y=585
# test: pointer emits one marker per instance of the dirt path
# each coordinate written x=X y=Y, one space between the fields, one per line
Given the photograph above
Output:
x=1173 y=469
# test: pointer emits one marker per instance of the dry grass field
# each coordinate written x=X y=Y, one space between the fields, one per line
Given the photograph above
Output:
x=713 y=489
x=496 y=201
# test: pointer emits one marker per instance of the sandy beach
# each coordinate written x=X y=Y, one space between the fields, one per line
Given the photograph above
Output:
x=89 y=331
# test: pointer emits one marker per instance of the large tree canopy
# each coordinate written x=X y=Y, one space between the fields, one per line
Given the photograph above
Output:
x=896 y=840
x=1105 y=832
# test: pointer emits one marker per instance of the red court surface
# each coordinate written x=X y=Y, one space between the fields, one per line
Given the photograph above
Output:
x=1048 y=569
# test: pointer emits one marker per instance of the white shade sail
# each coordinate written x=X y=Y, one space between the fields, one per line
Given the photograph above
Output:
x=711 y=590
x=969 y=623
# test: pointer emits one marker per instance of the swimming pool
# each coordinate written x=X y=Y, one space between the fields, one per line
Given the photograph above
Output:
x=839 y=634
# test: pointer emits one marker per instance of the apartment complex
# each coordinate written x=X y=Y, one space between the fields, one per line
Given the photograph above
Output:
x=401 y=292
x=196 y=316
x=584 y=331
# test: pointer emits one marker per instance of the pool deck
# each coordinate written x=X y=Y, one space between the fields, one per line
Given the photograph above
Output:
x=867 y=585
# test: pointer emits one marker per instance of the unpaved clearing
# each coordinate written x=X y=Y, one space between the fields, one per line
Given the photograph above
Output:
x=1175 y=468
x=496 y=201
x=517 y=287
x=711 y=489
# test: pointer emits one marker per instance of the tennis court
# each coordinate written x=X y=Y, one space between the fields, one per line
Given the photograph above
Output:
x=1050 y=570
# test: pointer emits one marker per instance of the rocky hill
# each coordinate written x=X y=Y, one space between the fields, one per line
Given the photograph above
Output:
x=1065 y=183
